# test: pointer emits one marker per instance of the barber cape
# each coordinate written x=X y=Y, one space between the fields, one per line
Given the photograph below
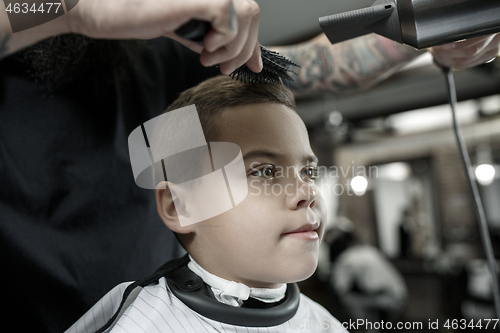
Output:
x=174 y=299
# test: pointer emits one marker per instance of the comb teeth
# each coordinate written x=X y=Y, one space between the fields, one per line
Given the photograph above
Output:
x=276 y=57
x=275 y=69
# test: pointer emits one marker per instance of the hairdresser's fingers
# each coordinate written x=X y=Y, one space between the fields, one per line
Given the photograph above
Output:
x=465 y=62
x=223 y=21
x=224 y=28
x=467 y=53
x=234 y=48
x=193 y=46
x=485 y=57
x=466 y=48
x=478 y=42
x=243 y=12
x=254 y=62
x=248 y=18
x=250 y=54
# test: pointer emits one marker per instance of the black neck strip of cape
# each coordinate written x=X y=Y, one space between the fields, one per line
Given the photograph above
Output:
x=198 y=296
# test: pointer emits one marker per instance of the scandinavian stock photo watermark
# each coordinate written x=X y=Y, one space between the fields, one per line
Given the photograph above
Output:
x=364 y=324
x=333 y=180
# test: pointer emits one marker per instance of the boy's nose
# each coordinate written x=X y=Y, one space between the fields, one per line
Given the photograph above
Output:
x=303 y=197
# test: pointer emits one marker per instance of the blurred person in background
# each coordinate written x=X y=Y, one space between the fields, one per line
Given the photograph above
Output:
x=364 y=280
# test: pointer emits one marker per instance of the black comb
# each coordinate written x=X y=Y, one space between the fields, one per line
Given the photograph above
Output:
x=275 y=67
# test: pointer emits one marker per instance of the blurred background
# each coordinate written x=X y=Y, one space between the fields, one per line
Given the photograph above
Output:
x=394 y=184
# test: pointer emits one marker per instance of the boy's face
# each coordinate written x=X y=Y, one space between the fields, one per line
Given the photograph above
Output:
x=255 y=243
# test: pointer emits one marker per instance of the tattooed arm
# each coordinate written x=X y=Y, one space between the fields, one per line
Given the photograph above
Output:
x=354 y=64
x=362 y=62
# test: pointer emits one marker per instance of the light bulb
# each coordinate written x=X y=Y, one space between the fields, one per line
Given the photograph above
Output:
x=485 y=174
x=359 y=184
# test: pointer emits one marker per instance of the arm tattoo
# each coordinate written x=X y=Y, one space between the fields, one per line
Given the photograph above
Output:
x=347 y=66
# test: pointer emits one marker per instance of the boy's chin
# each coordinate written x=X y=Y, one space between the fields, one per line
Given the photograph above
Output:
x=301 y=272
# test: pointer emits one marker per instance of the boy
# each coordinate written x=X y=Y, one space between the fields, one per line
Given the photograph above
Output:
x=242 y=264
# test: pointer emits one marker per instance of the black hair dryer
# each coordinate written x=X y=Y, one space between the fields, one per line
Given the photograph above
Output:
x=418 y=23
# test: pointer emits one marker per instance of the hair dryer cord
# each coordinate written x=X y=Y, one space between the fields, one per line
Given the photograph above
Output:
x=483 y=226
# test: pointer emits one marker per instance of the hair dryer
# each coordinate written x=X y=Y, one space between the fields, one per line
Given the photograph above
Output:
x=418 y=23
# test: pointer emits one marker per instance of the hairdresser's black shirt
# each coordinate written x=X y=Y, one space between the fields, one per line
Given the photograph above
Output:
x=72 y=221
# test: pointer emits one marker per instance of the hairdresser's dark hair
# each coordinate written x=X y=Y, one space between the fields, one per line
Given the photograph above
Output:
x=214 y=95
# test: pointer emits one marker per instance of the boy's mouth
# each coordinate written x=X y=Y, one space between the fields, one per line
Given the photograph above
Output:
x=306 y=231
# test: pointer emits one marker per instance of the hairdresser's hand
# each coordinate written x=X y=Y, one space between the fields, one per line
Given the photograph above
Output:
x=231 y=42
x=467 y=53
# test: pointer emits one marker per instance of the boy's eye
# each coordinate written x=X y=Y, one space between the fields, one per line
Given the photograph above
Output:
x=268 y=172
x=310 y=173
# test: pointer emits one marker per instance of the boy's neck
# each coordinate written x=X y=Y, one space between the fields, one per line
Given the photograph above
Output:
x=234 y=293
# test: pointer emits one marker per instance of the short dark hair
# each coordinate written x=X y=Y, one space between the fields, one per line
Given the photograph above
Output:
x=214 y=95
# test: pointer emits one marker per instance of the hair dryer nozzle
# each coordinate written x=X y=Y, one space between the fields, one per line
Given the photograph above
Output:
x=381 y=18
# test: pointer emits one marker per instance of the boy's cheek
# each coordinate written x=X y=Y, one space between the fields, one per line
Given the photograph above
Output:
x=254 y=187
x=260 y=188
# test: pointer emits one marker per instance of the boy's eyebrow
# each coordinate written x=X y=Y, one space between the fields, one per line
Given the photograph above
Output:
x=312 y=159
x=254 y=154
x=262 y=153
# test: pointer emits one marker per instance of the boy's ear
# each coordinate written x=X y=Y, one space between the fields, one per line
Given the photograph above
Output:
x=168 y=210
